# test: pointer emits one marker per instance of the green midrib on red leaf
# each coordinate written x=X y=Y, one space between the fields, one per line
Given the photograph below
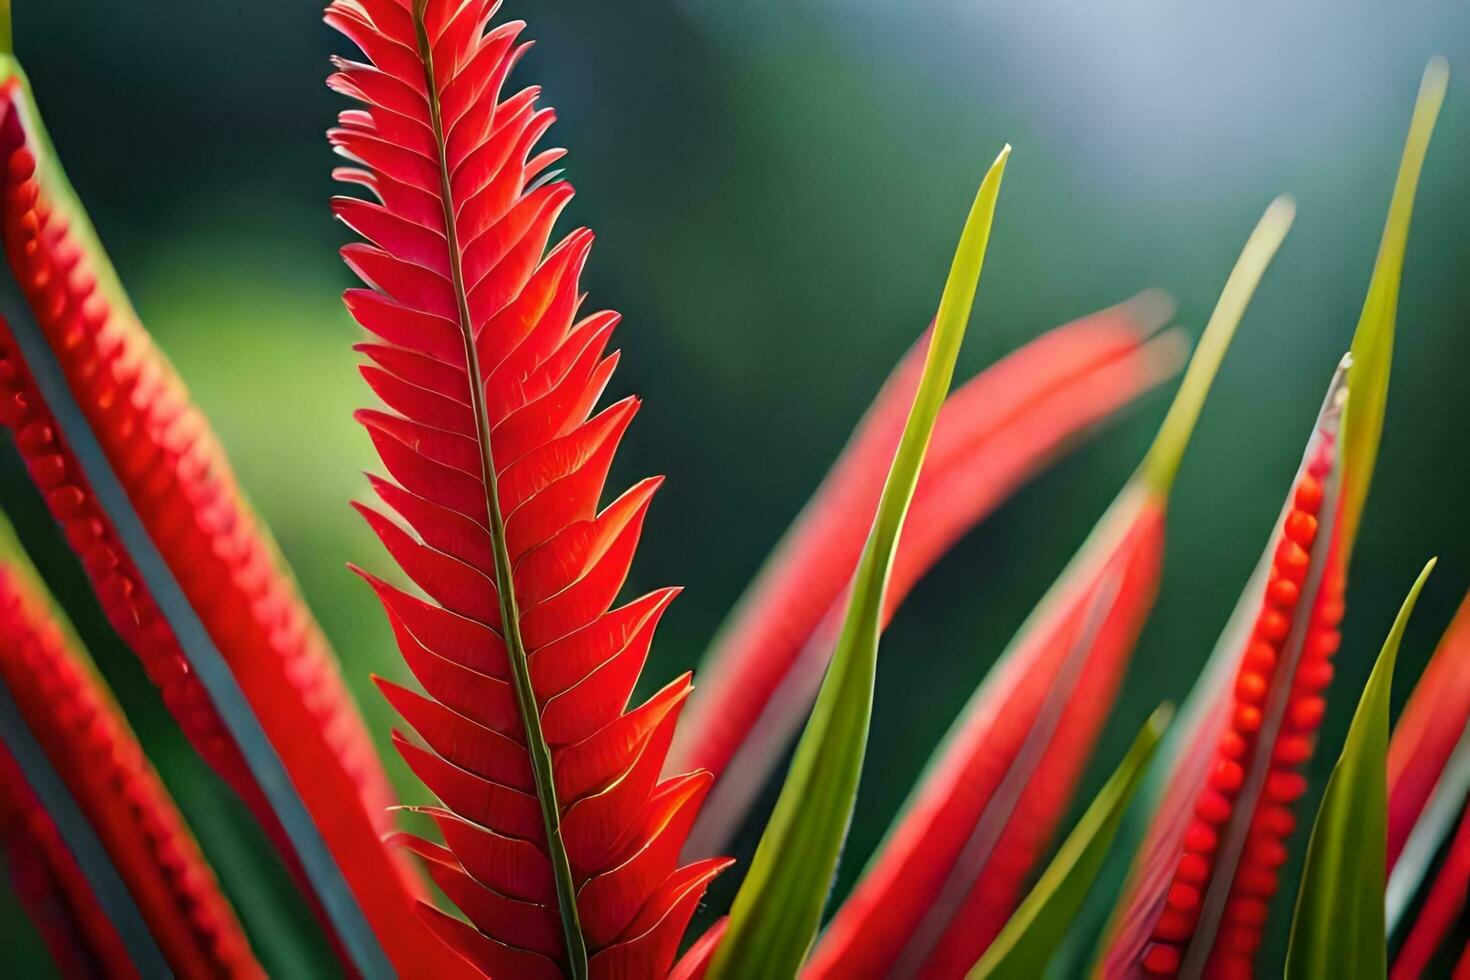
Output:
x=536 y=746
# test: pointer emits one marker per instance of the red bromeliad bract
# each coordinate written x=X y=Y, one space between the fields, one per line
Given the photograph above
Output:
x=88 y=743
x=560 y=842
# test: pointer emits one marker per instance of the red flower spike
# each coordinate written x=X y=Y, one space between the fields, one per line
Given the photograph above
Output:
x=90 y=746
x=994 y=433
x=560 y=841
x=1200 y=891
x=178 y=483
x=1428 y=731
x=52 y=889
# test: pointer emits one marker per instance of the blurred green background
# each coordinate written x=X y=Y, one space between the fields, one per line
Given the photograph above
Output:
x=777 y=188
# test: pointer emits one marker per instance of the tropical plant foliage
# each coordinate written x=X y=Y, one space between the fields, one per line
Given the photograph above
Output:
x=574 y=828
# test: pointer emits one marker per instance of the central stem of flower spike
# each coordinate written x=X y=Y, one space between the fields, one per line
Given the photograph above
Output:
x=540 y=752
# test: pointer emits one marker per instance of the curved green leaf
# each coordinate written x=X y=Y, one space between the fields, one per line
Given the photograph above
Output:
x=1338 y=927
x=1026 y=944
x=779 y=906
x=1160 y=466
x=1372 y=349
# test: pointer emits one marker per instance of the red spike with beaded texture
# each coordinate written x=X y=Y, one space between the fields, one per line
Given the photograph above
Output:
x=1199 y=898
x=90 y=746
x=178 y=481
x=51 y=888
x=496 y=462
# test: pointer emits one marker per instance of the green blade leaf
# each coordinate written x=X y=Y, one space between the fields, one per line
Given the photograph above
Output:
x=1034 y=932
x=1337 y=929
x=1160 y=466
x=1372 y=349
x=777 y=911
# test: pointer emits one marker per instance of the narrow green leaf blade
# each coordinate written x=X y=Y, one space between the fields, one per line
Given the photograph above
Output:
x=1372 y=348
x=1160 y=466
x=1337 y=929
x=1036 y=930
x=778 y=909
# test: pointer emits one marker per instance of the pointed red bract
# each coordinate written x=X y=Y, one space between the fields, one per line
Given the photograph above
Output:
x=89 y=745
x=177 y=480
x=491 y=374
x=1426 y=734
x=953 y=868
x=1200 y=891
x=994 y=432
x=696 y=960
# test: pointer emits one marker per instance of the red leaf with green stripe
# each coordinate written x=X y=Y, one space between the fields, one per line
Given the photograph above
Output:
x=560 y=841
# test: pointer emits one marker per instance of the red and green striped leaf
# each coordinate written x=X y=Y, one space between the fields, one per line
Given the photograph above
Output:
x=954 y=864
x=560 y=842
x=997 y=430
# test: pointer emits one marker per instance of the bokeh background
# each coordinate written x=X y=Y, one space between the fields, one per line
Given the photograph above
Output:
x=777 y=188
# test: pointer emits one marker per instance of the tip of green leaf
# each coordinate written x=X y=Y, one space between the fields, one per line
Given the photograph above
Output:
x=1372 y=348
x=1159 y=720
x=7 y=42
x=1161 y=464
